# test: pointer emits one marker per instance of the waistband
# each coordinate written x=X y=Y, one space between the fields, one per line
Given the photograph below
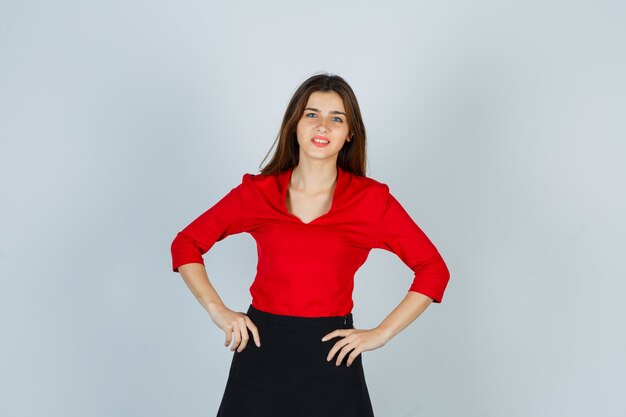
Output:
x=337 y=321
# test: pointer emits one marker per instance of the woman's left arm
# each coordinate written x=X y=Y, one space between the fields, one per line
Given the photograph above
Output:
x=398 y=233
x=405 y=313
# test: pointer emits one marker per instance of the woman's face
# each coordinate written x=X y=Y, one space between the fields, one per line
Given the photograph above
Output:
x=323 y=126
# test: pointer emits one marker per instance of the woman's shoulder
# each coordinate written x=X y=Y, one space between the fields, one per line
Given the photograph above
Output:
x=259 y=178
x=369 y=184
x=257 y=181
x=367 y=192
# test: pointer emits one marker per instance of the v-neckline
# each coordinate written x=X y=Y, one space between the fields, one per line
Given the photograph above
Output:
x=285 y=190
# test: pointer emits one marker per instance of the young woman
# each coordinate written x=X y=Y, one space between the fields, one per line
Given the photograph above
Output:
x=315 y=216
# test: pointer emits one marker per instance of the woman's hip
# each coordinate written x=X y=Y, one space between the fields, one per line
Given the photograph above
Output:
x=292 y=356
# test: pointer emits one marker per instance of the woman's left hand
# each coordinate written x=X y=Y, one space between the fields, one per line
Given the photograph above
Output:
x=354 y=340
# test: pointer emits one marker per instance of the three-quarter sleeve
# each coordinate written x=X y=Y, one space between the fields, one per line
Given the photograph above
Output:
x=224 y=218
x=399 y=234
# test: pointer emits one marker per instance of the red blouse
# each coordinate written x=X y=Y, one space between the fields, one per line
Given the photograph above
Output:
x=307 y=269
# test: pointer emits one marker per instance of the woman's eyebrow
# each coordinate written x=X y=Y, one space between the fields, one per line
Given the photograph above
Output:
x=332 y=112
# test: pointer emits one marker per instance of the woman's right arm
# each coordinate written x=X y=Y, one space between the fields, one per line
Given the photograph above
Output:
x=224 y=218
x=196 y=278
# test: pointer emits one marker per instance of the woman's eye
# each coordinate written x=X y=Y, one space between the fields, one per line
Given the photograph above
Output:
x=337 y=119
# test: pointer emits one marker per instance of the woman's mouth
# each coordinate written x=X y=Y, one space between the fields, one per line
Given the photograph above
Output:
x=320 y=141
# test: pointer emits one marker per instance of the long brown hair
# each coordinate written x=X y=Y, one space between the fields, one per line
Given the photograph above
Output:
x=352 y=156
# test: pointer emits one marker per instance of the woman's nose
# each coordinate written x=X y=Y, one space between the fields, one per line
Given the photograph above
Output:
x=323 y=124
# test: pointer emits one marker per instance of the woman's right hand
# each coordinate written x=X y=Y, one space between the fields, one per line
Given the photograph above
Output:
x=234 y=322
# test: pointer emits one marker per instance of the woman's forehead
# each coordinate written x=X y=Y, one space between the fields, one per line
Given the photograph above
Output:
x=328 y=100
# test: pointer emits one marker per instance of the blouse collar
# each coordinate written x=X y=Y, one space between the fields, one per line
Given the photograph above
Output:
x=285 y=178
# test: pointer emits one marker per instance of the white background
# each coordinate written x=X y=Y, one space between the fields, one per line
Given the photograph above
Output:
x=498 y=125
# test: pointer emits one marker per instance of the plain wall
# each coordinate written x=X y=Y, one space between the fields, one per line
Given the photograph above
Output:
x=498 y=125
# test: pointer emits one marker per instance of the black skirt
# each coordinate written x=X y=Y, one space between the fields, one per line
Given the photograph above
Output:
x=288 y=376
